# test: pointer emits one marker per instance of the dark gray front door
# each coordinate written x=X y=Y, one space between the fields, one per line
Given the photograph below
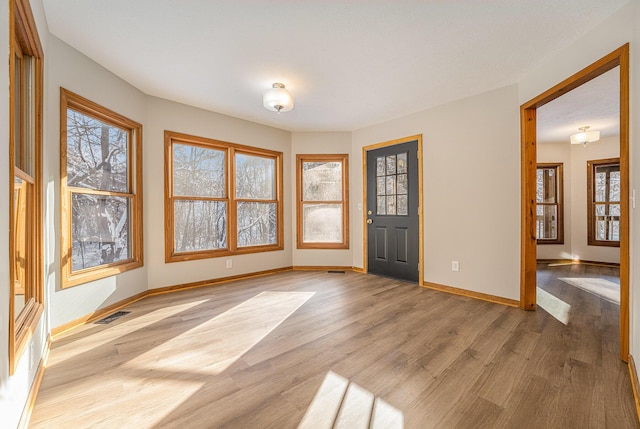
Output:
x=392 y=211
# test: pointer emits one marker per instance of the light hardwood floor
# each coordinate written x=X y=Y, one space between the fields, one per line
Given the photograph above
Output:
x=253 y=354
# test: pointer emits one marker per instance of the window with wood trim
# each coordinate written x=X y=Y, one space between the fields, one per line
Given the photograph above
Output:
x=322 y=201
x=101 y=191
x=220 y=198
x=549 y=204
x=25 y=172
x=603 y=217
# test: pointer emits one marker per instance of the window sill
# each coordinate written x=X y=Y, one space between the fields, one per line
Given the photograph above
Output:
x=98 y=273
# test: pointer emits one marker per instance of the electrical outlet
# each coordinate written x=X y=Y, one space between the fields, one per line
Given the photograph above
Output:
x=229 y=263
x=455 y=266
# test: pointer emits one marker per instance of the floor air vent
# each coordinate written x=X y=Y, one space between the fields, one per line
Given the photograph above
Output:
x=335 y=272
x=110 y=318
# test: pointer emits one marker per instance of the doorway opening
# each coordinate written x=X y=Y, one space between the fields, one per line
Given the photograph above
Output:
x=528 y=120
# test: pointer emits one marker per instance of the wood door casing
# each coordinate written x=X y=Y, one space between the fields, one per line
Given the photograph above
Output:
x=392 y=181
x=528 y=119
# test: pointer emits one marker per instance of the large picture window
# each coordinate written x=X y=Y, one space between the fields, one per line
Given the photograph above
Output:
x=549 y=204
x=25 y=172
x=322 y=202
x=101 y=180
x=220 y=198
x=603 y=218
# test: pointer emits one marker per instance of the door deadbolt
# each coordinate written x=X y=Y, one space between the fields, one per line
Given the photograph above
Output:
x=369 y=212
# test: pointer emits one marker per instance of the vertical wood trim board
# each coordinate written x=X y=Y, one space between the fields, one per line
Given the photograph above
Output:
x=633 y=373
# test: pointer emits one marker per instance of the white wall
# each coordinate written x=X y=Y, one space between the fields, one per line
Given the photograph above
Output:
x=620 y=28
x=72 y=70
x=471 y=189
x=574 y=158
x=322 y=143
x=166 y=115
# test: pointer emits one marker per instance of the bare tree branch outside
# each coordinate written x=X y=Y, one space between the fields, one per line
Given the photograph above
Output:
x=199 y=224
x=97 y=160
x=255 y=181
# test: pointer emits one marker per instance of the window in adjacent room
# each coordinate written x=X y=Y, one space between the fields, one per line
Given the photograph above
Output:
x=603 y=218
x=25 y=172
x=322 y=202
x=220 y=198
x=549 y=204
x=101 y=197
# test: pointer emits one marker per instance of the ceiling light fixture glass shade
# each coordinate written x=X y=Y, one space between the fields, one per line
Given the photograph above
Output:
x=585 y=136
x=278 y=99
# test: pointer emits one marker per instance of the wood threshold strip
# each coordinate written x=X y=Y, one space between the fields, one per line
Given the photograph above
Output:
x=35 y=387
x=471 y=294
x=577 y=262
x=633 y=373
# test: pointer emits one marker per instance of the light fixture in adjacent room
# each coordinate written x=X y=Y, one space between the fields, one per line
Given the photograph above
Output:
x=585 y=136
x=278 y=99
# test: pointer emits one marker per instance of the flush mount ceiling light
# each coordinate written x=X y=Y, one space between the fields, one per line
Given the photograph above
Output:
x=585 y=136
x=277 y=99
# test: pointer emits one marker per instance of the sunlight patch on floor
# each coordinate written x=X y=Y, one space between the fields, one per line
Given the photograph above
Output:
x=341 y=404
x=110 y=333
x=605 y=289
x=553 y=305
x=223 y=339
x=87 y=398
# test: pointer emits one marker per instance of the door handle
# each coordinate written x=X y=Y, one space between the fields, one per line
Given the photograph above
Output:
x=369 y=221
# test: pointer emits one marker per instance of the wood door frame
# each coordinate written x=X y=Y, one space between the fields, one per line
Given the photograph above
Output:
x=619 y=57
x=365 y=149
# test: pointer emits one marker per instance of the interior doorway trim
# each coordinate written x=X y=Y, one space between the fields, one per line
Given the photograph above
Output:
x=619 y=57
x=365 y=149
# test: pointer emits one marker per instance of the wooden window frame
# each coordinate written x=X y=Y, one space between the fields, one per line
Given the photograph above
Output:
x=559 y=194
x=70 y=100
x=300 y=160
x=591 y=203
x=231 y=149
x=25 y=42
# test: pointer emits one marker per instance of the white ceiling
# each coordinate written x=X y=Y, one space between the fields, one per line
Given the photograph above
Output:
x=595 y=104
x=349 y=64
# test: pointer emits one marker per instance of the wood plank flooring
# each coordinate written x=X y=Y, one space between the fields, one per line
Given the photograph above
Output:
x=254 y=353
